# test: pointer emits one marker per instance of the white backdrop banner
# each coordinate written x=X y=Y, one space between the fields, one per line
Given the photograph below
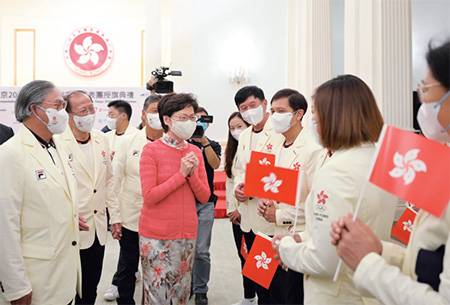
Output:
x=101 y=96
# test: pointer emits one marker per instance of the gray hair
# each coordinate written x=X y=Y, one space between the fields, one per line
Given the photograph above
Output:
x=153 y=98
x=32 y=93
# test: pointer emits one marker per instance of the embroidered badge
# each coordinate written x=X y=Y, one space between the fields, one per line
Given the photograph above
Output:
x=269 y=147
x=135 y=153
x=40 y=174
x=320 y=205
x=297 y=166
x=70 y=157
x=103 y=154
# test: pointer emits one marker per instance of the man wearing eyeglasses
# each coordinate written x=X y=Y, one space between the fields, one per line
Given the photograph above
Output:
x=89 y=157
x=39 y=249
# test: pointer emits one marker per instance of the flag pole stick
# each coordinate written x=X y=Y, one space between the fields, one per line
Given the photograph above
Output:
x=297 y=199
x=358 y=205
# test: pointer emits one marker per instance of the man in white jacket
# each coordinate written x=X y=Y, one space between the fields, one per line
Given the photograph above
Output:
x=88 y=155
x=39 y=250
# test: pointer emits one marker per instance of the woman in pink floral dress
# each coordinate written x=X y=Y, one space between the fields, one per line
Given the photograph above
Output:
x=172 y=176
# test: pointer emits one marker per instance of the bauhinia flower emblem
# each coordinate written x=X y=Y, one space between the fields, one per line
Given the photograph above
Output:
x=264 y=162
x=297 y=166
x=263 y=261
x=322 y=197
x=269 y=146
x=88 y=51
x=271 y=183
x=407 y=225
x=407 y=166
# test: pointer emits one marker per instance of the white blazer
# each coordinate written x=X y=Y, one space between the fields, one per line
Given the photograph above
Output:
x=111 y=136
x=127 y=178
x=39 y=249
x=381 y=275
x=334 y=193
x=303 y=155
x=267 y=142
x=94 y=189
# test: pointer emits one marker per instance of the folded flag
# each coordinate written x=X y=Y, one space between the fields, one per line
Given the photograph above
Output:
x=403 y=228
x=260 y=266
x=271 y=182
x=413 y=168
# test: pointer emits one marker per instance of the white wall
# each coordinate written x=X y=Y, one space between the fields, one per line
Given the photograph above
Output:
x=227 y=32
x=430 y=21
x=54 y=21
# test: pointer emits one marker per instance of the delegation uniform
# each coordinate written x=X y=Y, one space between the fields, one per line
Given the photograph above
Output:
x=334 y=193
x=115 y=140
x=393 y=277
x=95 y=184
x=39 y=249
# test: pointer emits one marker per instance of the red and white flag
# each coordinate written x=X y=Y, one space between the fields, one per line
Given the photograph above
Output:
x=262 y=158
x=260 y=266
x=244 y=248
x=413 y=168
x=271 y=182
x=403 y=228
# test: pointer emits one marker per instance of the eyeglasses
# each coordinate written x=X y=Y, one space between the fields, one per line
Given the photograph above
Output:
x=185 y=118
x=421 y=89
x=86 y=111
x=58 y=106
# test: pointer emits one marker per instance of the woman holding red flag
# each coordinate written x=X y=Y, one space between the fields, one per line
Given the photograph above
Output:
x=424 y=277
x=348 y=123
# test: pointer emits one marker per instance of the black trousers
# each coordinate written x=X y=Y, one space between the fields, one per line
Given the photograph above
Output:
x=249 y=285
x=91 y=271
x=125 y=276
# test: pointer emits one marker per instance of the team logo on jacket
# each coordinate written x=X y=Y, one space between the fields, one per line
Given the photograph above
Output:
x=40 y=174
x=321 y=201
x=135 y=153
x=269 y=147
x=70 y=157
x=88 y=51
x=297 y=166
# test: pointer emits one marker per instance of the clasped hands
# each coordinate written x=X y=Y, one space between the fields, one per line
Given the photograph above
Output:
x=188 y=164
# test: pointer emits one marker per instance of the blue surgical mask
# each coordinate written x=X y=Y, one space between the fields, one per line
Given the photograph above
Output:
x=203 y=124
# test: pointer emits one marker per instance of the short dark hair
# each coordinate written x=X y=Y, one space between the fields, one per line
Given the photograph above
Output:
x=174 y=102
x=244 y=93
x=348 y=113
x=296 y=99
x=68 y=96
x=153 y=98
x=122 y=106
x=201 y=109
x=438 y=60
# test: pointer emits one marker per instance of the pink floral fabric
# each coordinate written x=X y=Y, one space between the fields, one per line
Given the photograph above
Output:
x=167 y=269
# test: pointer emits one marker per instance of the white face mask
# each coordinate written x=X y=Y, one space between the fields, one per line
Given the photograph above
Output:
x=184 y=130
x=153 y=121
x=235 y=133
x=57 y=120
x=282 y=121
x=84 y=123
x=315 y=134
x=112 y=122
x=427 y=116
x=253 y=116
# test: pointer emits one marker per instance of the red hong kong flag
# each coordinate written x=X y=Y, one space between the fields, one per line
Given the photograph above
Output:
x=403 y=228
x=413 y=168
x=260 y=265
x=244 y=248
x=262 y=158
x=271 y=182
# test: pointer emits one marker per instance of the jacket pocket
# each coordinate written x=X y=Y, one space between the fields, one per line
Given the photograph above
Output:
x=37 y=251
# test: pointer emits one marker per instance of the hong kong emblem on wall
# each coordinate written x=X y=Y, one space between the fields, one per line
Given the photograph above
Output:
x=88 y=51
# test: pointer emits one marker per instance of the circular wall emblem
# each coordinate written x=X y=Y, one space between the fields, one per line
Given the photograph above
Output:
x=88 y=51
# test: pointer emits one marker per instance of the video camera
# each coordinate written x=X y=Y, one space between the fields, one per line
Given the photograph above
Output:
x=198 y=133
x=162 y=85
